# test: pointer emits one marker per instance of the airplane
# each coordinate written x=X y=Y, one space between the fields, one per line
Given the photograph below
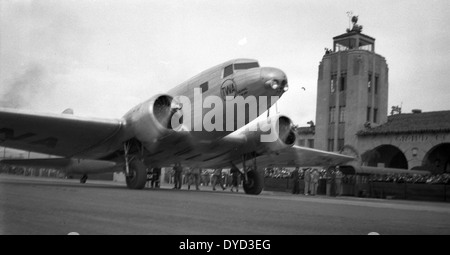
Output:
x=146 y=137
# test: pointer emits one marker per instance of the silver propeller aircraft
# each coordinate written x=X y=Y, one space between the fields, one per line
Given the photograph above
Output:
x=174 y=128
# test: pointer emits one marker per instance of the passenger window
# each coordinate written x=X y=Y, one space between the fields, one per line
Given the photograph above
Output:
x=228 y=71
x=204 y=87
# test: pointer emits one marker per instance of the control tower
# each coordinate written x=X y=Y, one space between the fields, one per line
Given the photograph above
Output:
x=352 y=90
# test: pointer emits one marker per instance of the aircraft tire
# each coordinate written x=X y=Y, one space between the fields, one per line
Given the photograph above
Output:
x=255 y=183
x=138 y=175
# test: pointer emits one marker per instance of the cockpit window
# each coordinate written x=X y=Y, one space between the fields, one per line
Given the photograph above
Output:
x=243 y=66
x=228 y=71
x=204 y=87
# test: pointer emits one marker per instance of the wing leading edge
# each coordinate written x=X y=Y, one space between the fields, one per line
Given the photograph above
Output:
x=59 y=134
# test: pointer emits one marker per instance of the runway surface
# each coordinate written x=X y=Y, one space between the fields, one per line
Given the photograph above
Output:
x=55 y=206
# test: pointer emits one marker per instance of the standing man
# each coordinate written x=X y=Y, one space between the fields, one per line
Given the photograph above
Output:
x=195 y=176
x=329 y=178
x=217 y=177
x=155 y=177
x=235 y=173
x=205 y=178
x=338 y=182
x=149 y=177
x=188 y=176
x=314 y=182
x=333 y=183
x=178 y=175
x=296 y=181
x=307 y=180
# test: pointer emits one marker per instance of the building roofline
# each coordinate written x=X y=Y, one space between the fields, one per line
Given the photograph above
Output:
x=352 y=33
x=412 y=123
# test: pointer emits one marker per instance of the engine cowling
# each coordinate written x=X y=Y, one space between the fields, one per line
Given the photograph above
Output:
x=152 y=119
x=270 y=135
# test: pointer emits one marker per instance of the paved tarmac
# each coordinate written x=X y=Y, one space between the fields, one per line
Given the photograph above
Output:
x=30 y=205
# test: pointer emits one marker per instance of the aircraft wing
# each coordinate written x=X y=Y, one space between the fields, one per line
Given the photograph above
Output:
x=302 y=156
x=58 y=134
x=282 y=151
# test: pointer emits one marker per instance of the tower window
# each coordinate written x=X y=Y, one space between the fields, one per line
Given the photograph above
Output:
x=331 y=117
x=376 y=84
x=311 y=143
x=375 y=115
x=369 y=83
x=332 y=84
x=341 y=143
x=341 y=114
x=330 y=144
x=342 y=83
x=368 y=113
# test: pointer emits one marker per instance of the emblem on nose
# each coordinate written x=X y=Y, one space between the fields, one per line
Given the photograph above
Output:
x=228 y=88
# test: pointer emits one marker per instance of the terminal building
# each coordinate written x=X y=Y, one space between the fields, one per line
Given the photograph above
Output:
x=352 y=113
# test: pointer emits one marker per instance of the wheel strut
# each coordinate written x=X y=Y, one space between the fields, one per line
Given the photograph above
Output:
x=245 y=157
x=126 y=148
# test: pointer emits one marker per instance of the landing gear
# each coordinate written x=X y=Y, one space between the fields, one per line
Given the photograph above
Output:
x=135 y=170
x=253 y=178
x=137 y=175
x=255 y=182
x=83 y=178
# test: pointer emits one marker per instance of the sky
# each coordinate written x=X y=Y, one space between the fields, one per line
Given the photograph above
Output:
x=102 y=57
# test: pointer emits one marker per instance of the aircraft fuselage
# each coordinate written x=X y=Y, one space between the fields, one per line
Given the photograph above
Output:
x=208 y=107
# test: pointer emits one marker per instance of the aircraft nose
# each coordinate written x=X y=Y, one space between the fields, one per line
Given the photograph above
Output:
x=274 y=79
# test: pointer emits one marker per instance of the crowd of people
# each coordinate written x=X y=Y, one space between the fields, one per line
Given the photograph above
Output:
x=334 y=179
x=30 y=171
x=311 y=178
x=443 y=178
x=198 y=177
x=277 y=173
x=412 y=178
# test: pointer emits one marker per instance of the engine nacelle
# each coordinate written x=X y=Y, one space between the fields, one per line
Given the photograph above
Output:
x=270 y=135
x=151 y=119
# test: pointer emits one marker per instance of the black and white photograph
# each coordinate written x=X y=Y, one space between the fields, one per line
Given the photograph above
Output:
x=240 y=120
